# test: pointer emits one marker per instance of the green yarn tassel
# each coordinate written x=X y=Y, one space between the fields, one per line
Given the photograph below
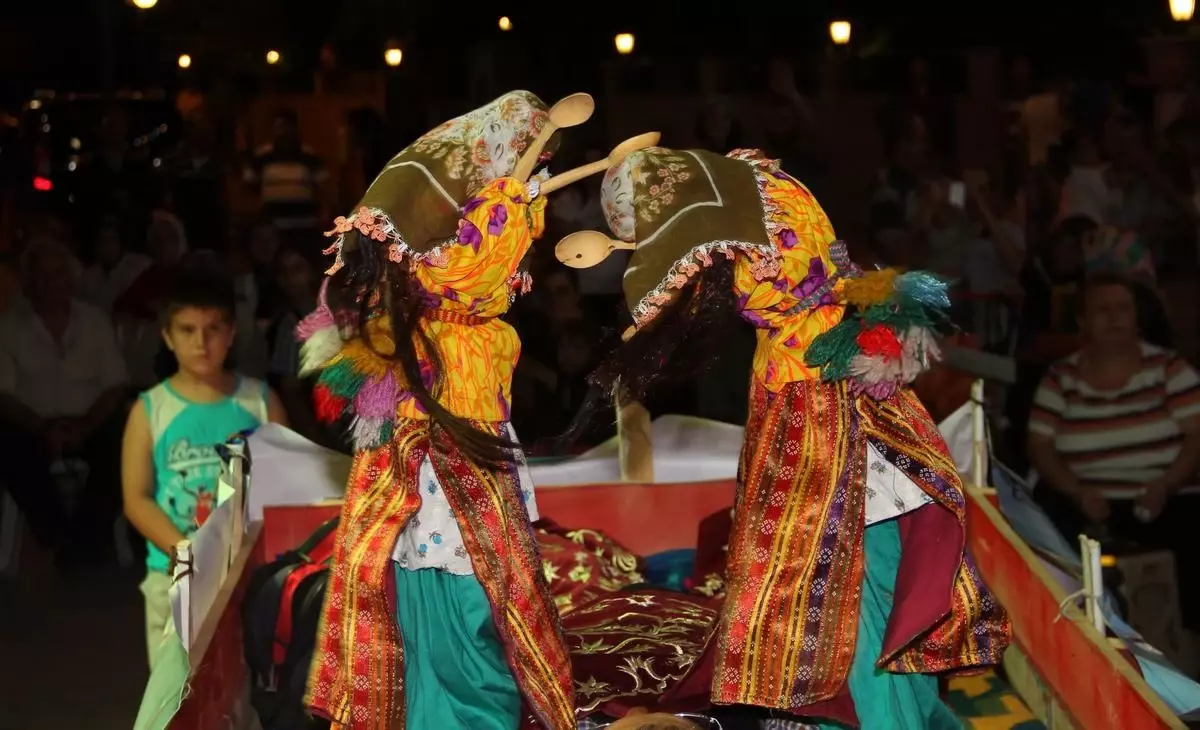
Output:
x=833 y=351
x=342 y=379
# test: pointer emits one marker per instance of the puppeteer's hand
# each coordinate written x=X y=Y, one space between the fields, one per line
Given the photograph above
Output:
x=1153 y=500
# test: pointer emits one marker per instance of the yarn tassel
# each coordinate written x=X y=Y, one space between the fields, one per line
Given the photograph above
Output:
x=370 y=433
x=328 y=407
x=319 y=347
x=341 y=379
x=923 y=288
x=376 y=398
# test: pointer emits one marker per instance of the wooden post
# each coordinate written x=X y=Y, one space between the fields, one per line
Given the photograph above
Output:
x=635 y=450
x=979 y=461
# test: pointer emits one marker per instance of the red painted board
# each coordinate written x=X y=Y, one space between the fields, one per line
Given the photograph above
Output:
x=1087 y=676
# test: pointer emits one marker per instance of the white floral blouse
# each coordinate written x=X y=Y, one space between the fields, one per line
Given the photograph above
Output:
x=432 y=538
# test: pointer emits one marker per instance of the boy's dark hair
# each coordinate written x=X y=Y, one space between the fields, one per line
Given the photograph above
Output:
x=199 y=287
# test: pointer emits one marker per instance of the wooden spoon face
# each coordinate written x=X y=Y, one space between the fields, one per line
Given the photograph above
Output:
x=585 y=249
x=573 y=110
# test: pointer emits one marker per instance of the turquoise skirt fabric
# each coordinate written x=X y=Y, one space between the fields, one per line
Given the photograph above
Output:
x=455 y=672
x=882 y=699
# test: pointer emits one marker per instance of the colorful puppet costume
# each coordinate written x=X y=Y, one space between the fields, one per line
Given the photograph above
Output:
x=848 y=582
x=437 y=614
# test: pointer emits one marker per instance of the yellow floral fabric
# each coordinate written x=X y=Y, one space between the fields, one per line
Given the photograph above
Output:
x=802 y=235
x=474 y=278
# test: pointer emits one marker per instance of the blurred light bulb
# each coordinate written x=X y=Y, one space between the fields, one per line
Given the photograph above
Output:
x=272 y=57
x=624 y=43
x=185 y=61
x=1182 y=10
x=839 y=32
x=505 y=23
x=144 y=4
x=393 y=56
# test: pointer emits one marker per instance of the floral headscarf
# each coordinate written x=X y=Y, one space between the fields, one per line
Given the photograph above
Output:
x=414 y=204
x=680 y=207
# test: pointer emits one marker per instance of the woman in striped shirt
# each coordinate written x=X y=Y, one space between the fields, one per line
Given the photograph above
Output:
x=1115 y=433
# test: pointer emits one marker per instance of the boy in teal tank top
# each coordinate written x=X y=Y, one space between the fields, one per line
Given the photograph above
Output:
x=169 y=462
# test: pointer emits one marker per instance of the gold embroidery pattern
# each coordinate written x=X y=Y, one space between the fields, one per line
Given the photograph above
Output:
x=649 y=642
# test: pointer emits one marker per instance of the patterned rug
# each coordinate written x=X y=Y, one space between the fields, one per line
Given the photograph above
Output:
x=986 y=702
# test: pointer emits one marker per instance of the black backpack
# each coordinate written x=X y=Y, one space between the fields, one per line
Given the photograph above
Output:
x=280 y=614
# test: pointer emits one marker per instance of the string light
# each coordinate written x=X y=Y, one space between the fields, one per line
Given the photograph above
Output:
x=624 y=43
x=393 y=56
x=505 y=23
x=144 y=4
x=1182 y=10
x=273 y=57
x=839 y=32
x=185 y=61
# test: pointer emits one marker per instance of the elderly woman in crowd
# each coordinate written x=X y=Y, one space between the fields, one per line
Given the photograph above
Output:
x=1115 y=434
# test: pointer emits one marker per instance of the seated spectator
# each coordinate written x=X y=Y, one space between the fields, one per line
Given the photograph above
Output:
x=1115 y=435
x=62 y=396
x=906 y=146
x=135 y=311
x=114 y=268
x=288 y=177
x=262 y=250
x=1050 y=283
x=890 y=243
x=298 y=278
x=1088 y=189
x=994 y=259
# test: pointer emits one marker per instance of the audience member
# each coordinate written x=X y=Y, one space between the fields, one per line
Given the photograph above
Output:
x=906 y=166
x=1088 y=190
x=135 y=309
x=198 y=184
x=114 y=268
x=116 y=178
x=169 y=463
x=298 y=276
x=1115 y=435
x=262 y=249
x=790 y=127
x=993 y=260
x=62 y=391
x=717 y=128
x=288 y=177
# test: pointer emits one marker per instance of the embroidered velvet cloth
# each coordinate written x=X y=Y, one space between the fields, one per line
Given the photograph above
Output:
x=641 y=648
x=583 y=565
